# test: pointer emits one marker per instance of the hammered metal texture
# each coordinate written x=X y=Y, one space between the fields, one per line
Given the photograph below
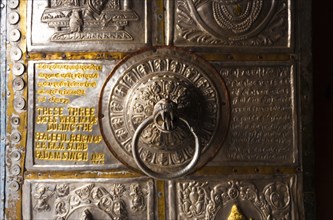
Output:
x=118 y=25
x=251 y=24
x=256 y=197
x=63 y=115
x=89 y=199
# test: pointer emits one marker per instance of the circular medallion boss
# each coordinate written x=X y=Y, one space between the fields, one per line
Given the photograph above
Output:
x=164 y=111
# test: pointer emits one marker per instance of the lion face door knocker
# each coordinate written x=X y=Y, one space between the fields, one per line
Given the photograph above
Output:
x=164 y=112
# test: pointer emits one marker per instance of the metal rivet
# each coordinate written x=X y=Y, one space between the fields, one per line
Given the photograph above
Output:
x=14 y=186
x=16 y=120
x=14 y=35
x=19 y=103
x=18 y=69
x=13 y=4
x=18 y=84
x=16 y=170
x=13 y=17
x=16 y=53
x=2 y=5
x=15 y=137
x=16 y=155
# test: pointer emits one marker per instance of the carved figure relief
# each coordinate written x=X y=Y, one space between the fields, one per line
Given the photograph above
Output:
x=232 y=23
x=204 y=200
x=90 y=201
x=89 y=20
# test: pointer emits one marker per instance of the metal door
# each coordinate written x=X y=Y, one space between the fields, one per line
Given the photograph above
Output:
x=154 y=109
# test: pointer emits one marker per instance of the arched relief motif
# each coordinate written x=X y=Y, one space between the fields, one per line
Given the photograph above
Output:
x=240 y=23
x=254 y=198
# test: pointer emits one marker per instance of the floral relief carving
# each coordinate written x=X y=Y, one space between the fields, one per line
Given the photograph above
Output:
x=90 y=201
x=202 y=200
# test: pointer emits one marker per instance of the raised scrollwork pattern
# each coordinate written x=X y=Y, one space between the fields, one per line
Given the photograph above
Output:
x=91 y=201
x=204 y=200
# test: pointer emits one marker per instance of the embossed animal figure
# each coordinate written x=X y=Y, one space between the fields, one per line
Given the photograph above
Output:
x=75 y=22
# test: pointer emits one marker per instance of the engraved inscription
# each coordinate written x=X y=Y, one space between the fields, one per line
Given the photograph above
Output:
x=95 y=200
x=232 y=23
x=91 y=20
x=262 y=123
x=221 y=199
x=65 y=114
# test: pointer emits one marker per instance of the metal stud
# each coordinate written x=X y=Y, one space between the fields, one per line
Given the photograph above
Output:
x=14 y=35
x=18 y=69
x=16 y=170
x=19 y=103
x=18 y=84
x=14 y=186
x=13 y=4
x=16 y=155
x=13 y=17
x=16 y=120
x=15 y=137
x=16 y=53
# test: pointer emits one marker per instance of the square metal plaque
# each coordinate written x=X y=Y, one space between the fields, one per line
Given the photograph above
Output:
x=63 y=115
x=242 y=196
x=117 y=25
x=259 y=24
x=89 y=199
x=263 y=125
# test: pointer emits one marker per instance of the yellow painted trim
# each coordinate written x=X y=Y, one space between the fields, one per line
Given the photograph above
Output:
x=160 y=185
x=77 y=56
x=79 y=175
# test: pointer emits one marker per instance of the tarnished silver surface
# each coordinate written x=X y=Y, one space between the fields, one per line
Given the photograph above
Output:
x=263 y=125
x=89 y=199
x=139 y=83
x=63 y=115
x=261 y=24
x=256 y=197
x=118 y=25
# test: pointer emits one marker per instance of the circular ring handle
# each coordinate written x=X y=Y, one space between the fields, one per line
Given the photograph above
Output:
x=152 y=173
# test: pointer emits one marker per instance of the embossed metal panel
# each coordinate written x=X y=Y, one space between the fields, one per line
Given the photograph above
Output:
x=121 y=25
x=263 y=127
x=231 y=24
x=63 y=115
x=154 y=109
x=89 y=199
x=234 y=197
